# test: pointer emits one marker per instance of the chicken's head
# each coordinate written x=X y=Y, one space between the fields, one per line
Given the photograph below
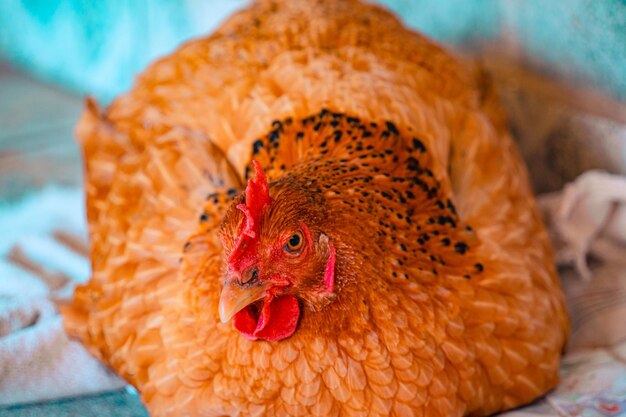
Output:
x=277 y=259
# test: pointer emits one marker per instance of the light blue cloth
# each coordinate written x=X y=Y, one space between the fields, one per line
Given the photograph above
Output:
x=118 y=403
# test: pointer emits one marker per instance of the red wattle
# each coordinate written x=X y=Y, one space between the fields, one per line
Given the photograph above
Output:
x=245 y=322
x=329 y=272
x=277 y=320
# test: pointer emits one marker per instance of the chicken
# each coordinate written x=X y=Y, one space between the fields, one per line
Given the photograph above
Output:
x=315 y=211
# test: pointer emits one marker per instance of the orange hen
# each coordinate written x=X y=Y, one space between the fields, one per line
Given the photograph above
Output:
x=385 y=258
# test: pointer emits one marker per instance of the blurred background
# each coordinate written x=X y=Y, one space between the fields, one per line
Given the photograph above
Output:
x=560 y=67
x=98 y=47
x=546 y=55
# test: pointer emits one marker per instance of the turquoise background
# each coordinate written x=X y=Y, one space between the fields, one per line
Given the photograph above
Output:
x=98 y=47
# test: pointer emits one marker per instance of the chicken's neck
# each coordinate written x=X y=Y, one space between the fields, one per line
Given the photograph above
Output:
x=393 y=223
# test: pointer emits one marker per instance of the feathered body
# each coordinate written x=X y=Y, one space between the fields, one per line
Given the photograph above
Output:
x=442 y=298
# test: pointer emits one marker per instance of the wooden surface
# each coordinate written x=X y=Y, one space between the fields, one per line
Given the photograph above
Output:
x=562 y=129
x=37 y=145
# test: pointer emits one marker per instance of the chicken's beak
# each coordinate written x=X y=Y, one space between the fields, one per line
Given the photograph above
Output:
x=236 y=297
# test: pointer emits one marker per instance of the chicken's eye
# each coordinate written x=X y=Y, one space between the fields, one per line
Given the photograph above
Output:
x=295 y=242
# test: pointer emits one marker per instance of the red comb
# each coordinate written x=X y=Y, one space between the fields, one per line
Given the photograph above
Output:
x=257 y=197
